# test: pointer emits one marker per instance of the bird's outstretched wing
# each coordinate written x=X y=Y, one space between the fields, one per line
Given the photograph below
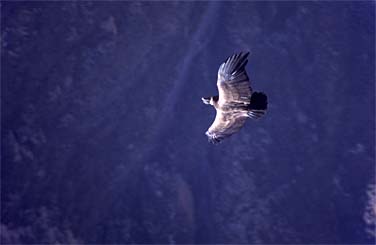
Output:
x=233 y=83
x=224 y=125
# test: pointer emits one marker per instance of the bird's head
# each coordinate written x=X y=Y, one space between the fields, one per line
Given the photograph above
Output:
x=210 y=100
x=206 y=100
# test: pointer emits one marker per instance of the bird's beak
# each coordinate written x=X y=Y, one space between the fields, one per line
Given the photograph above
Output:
x=206 y=100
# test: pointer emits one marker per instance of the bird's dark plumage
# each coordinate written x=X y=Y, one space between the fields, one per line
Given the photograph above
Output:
x=235 y=102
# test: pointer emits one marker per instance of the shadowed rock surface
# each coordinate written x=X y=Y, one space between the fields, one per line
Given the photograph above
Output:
x=102 y=125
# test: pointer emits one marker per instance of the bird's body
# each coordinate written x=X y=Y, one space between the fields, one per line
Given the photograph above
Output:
x=236 y=101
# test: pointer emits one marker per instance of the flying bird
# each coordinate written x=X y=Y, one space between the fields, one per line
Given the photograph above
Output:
x=236 y=100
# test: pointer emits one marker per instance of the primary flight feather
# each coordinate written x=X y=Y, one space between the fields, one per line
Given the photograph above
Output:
x=236 y=101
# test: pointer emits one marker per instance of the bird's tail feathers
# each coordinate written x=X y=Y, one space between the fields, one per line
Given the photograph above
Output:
x=258 y=105
x=255 y=114
x=259 y=101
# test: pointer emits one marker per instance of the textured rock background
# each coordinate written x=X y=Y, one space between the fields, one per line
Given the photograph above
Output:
x=102 y=126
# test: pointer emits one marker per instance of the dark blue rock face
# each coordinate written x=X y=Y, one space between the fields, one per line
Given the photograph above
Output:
x=102 y=126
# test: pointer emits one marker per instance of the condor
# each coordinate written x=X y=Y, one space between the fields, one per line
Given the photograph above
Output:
x=236 y=102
